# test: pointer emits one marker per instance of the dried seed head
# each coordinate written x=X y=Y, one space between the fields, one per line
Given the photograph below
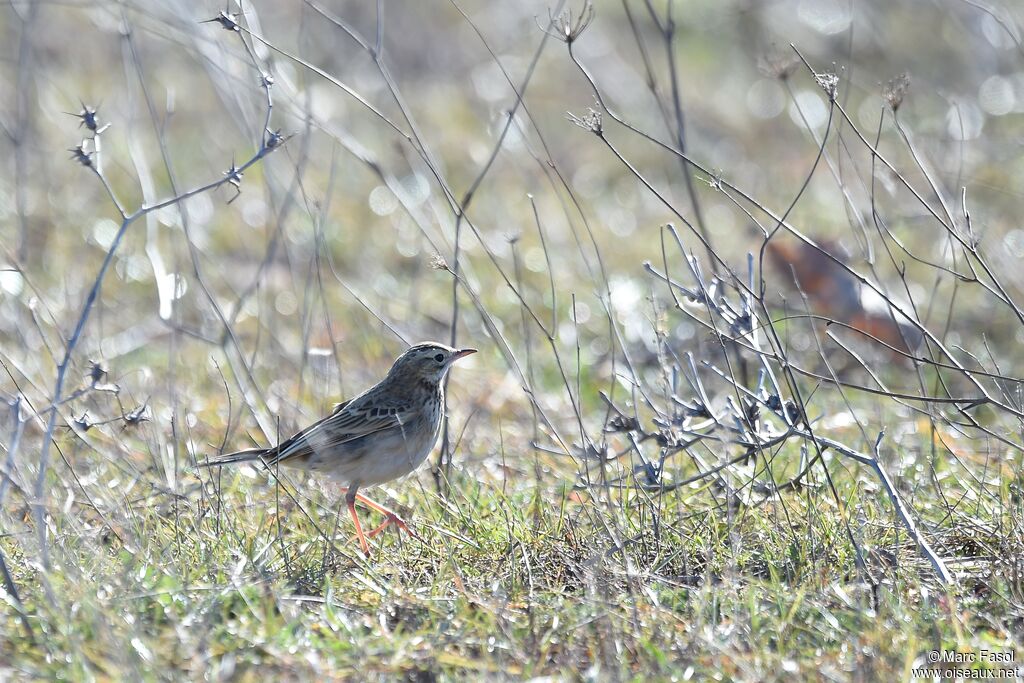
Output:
x=715 y=181
x=136 y=416
x=590 y=121
x=97 y=372
x=896 y=89
x=751 y=410
x=622 y=423
x=83 y=423
x=778 y=64
x=829 y=82
x=234 y=176
x=437 y=262
x=565 y=28
x=694 y=408
x=274 y=139
x=742 y=325
x=227 y=21
x=81 y=155
x=87 y=117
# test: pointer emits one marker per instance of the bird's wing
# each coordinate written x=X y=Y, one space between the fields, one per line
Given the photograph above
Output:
x=351 y=420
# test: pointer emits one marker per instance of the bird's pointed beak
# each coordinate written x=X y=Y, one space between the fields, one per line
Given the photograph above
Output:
x=461 y=353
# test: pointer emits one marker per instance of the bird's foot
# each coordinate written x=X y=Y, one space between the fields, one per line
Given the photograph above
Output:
x=389 y=519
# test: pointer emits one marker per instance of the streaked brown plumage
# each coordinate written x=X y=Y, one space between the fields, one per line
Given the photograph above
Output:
x=380 y=435
x=835 y=293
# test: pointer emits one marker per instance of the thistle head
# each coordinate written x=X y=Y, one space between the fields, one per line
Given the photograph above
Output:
x=427 y=361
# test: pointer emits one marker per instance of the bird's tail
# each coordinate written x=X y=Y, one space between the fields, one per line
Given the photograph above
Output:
x=248 y=455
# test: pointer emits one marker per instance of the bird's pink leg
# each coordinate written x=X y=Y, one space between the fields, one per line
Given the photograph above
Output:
x=390 y=517
x=359 y=529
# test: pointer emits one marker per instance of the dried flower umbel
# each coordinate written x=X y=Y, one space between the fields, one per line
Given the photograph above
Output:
x=227 y=21
x=234 y=176
x=87 y=117
x=778 y=64
x=590 y=121
x=896 y=89
x=829 y=82
x=437 y=262
x=80 y=154
x=565 y=28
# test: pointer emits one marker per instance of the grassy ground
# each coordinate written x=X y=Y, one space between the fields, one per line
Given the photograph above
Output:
x=637 y=482
x=510 y=585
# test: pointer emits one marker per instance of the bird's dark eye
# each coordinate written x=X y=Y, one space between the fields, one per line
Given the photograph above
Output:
x=439 y=358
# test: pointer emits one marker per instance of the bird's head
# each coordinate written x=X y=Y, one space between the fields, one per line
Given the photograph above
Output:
x=427 y=361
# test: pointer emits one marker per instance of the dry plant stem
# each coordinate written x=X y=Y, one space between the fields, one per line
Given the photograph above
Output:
x=970 y=244
x=902 y=511
x=12 y=589
x=674 y=119
x=1008 y=28
x=668 y=30
x=780 y=221
x=459 y=208
x=127 y=219
x=282 y=483
x=753 y=441
x=444 y=462
x=421 y=150
x=326 y=76
x=905 y=515
x=968 y=374
x=148 y=188
x=17 y=429
x=970 y=247
x=506 y=350
x=12 y=449
x=21 y=131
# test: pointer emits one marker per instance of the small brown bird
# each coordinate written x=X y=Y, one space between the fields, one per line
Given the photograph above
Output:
x=382 y=434
x=835 y=293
